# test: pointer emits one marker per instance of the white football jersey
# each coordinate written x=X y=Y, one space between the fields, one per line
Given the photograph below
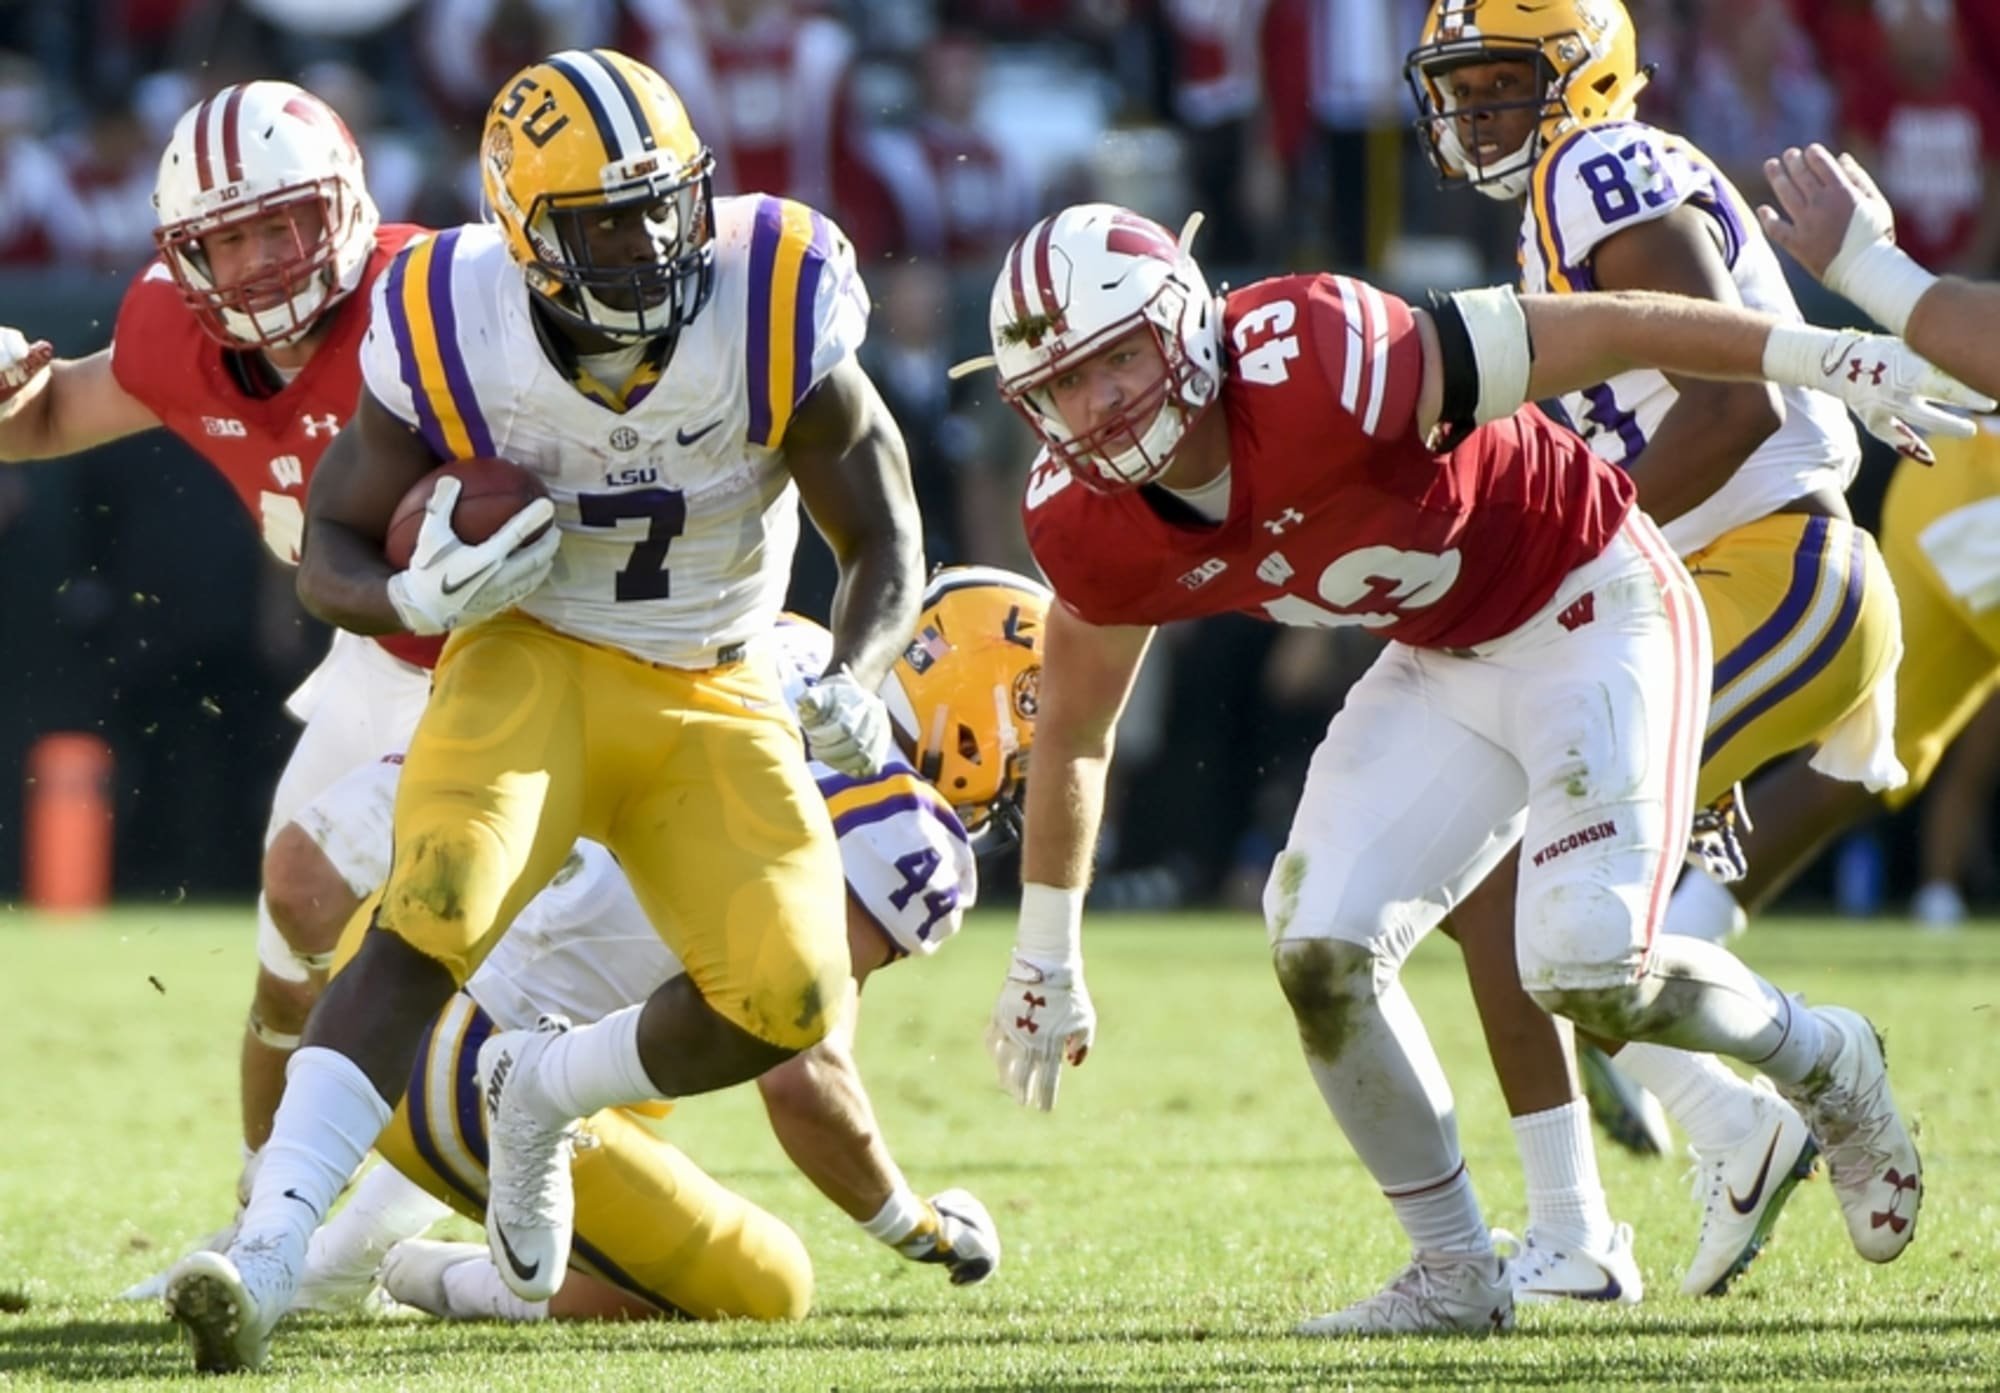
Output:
x=1595 y=182
x=678 y=517
x=584 y=948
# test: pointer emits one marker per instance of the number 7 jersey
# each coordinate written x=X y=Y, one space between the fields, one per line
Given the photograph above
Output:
x=678 y=516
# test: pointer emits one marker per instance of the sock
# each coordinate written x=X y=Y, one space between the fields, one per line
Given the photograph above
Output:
x=473 y=1291
x=1443 y=1216
x=905 y=1222
x=1565 y=1198
x=329 y=1117
x=594 y=1066
x=1719 y=1006
x=1706 y=1098
x=384 y=1209
x=1703 y=908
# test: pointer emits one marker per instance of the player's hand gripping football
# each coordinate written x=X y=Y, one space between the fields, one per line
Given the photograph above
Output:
x=1043 y=1017
x=1899 y=396
x=451 y=582
x=847 y=725
x=21 y=363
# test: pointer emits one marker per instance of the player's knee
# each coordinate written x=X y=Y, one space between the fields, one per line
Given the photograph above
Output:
x=778 y=1285
x=1330 y=984
x=308 y=900
x=801 y=1014
x=433 y=900
x=1580 y=948
x=278 y=1010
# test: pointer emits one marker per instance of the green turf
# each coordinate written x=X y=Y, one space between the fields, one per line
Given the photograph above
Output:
x=1187 y=1202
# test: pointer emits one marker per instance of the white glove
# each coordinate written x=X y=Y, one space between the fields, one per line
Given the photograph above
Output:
x=847 y=725
x=965 y=1240
x=451 y=583
x=1895 y=393
x=21 y=365
x=1043 y=1017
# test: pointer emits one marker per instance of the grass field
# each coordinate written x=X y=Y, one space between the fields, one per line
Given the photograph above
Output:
x=1188 y=1201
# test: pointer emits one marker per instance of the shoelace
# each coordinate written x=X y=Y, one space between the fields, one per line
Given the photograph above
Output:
x=533 y=1189
x=1849 y=1126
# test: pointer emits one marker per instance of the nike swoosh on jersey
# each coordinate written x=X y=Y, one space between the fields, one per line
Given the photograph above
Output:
x=525 y=1271
x=1743 y=1206
x=688 y=437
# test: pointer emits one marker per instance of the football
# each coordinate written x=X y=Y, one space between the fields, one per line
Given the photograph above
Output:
x=490 y=492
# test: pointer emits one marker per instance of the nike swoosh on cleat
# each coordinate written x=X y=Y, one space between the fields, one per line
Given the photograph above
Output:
x=688 y=437
x=1743 y=1206
x=1610 y=1291
x=525 y=1271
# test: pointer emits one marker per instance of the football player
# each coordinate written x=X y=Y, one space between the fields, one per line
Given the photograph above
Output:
x=243 y=338
x=1312 y=450
x=679 y=371
x=649 y=1223
x=1938 y=528
x=1534 y=103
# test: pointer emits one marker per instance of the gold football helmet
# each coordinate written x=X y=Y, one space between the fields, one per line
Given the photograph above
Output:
x=1587 y=65
x=603 y=191
x=966 y=690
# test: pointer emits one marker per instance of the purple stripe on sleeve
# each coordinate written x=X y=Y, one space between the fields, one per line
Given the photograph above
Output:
x=764 y=236
x=804 y=313
x=406 y=357
x=445 y=317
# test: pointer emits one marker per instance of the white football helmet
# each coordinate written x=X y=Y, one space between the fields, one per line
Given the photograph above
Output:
x=251 y=150
x=1074 y=284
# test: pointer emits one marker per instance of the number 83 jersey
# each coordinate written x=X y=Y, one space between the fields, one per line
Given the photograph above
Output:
x=678 y=516
x=1594 y=183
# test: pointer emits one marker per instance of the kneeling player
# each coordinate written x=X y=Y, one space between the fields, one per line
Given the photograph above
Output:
x=655 y=1233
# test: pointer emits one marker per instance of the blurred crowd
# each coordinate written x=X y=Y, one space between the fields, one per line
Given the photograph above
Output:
x=935 y=130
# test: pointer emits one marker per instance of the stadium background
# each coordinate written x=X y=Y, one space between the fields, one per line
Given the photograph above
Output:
x=138 y=605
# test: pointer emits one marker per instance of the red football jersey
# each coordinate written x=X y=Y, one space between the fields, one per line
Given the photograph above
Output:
x=265 y=446
x=1338 y=513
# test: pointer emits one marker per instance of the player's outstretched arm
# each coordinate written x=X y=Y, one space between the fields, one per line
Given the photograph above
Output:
x=1044 y=1014
x=1839 y=227
x=822 y=1115
x=1488 y=351
x=51 y=407
x=847 y=456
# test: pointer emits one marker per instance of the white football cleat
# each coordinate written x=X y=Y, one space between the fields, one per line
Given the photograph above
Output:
x=1565 y=1272
x=1630 y=1115
x=531 y=1202
x=1869 y=1153
x=414 y=1274
x=1742 y=1188
x=154 y=1288
x=229 y=1302
x=1469 y=1294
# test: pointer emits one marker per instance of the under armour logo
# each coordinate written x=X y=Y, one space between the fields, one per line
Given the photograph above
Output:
x=316 y=426
x=1854 y=371
x=1291 y=517
x=1580 y=613
x=1027 y=1022
x=1890 y=1217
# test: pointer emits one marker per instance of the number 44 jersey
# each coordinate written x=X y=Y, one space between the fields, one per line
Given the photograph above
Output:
x=678 y=516
x=1339 y=513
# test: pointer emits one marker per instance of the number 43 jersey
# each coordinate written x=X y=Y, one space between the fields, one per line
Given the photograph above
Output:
x=1339 y=513
x=1593 y=184
x=678 y=516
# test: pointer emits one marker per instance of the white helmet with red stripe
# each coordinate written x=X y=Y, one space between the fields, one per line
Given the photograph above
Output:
x=1076 y=283
x=249 y=152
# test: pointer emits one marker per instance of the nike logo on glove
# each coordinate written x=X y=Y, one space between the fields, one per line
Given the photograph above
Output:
x=1743 y=1206
x=525 y=1271
x=688 y=437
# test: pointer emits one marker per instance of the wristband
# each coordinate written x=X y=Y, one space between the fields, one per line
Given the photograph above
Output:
x=1051 y=923
x=1884 y=281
